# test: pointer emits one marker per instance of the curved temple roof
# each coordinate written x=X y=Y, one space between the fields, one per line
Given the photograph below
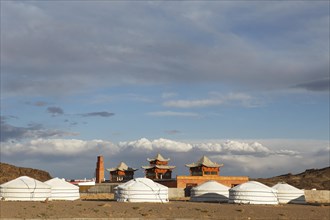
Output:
x=122 y=167
x=204 y=161
x=158 y=157
x=159 y=167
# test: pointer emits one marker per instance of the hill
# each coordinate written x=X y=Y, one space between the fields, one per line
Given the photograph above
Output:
x=309 y=179
x=9 y=172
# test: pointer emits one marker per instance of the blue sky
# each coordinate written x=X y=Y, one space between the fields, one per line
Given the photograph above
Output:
x=243 y=82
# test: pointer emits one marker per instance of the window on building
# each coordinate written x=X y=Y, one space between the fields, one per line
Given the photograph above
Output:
x=167 y=175
x=196 y=173
x=151 y=175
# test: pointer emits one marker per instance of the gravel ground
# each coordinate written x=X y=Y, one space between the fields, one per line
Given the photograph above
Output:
x=175 y=209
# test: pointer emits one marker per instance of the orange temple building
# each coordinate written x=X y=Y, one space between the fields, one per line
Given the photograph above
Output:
x=121 y=173
x=203 y=170
x=204 y=167
x=158 y=168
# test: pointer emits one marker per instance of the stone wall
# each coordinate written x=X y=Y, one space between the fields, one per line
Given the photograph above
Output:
x=317 y=196
x=101 y=188
x=175 y=193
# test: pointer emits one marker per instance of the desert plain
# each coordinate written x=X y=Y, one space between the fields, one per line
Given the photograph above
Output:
x=109 y=208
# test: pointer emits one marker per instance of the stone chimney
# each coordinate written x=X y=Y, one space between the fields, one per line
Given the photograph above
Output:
x=99 y=172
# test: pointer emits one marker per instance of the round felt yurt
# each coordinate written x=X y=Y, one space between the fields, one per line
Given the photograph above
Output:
x=253 y=192
x=210 y=191
x=289 y=194
x=25 y=188
x=62 y=190
x=141 y=190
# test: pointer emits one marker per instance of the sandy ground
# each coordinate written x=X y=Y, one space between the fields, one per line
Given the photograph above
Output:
x=174 y=209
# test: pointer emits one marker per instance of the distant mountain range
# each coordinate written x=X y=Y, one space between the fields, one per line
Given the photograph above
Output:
x=309 y=179
x=312 y=178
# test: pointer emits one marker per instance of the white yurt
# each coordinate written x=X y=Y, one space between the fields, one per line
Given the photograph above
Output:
x=289 y=194
x=210 y=191
x=141 y=190
x=62 y=190
x=253 y=192
x=25 y=188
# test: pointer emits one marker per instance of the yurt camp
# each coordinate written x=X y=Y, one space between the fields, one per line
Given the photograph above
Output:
x=253 y=192
x=62 y=190
x=210 y=191
x=25 y=188
x=141 y=190
x=289 y=194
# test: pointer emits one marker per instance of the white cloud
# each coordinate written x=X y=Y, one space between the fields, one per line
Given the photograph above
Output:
x=232 y=147
x=192 y=103
x=172 y=113
x=141 y=144
x=158 y=144
x=323 y=152
x=235 y=147
x=102 y=98
x=57 y=147
x=269 y=166
x=169 y=145
x=75 y=146
x=288 y=153
x=209 y=147
x=167 y=95
x=216 y=99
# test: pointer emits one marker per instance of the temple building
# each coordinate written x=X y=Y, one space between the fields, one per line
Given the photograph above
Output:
x=121 y=173
x=204 y=167
x=158 y=168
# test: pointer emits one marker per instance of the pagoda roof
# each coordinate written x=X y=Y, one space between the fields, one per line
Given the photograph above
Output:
x=122 y=167
x=165 y=167
x=158 y=157
x=204 y=161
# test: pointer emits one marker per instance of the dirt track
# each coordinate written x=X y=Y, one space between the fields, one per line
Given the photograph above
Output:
x=173 y=209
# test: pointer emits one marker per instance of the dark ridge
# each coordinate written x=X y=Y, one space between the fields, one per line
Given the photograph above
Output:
x=9 y=172
x=309 y=179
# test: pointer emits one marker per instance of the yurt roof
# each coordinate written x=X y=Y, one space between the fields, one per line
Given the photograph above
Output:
x=57 y=183
x=253 y=186
x=211 y=185
x=141 y=183
x=25 y=182
x=286 y=187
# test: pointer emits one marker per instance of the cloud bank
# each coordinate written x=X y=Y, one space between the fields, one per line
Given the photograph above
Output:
x=274 y=45
x=239 y=157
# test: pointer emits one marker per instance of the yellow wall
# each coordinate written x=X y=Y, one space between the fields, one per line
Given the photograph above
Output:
x=230 y=181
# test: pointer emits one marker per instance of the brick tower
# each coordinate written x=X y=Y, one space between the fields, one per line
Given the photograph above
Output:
x=99 y=172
